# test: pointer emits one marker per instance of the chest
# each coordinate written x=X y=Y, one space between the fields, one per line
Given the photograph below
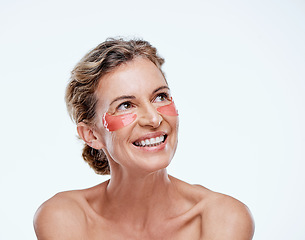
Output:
x=175 y=229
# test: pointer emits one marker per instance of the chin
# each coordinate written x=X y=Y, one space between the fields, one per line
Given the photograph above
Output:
x=155 y=164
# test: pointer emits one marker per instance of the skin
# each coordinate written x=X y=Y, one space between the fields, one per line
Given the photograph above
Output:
x=140 y=201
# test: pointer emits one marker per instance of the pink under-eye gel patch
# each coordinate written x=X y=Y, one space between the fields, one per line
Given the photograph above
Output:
x=169 y=109
x=113 y=123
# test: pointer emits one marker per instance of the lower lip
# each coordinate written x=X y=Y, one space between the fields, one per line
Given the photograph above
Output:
x=154 y=148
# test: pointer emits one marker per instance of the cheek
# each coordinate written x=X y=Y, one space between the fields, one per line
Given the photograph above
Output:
x=113 y=123
x=169 y=110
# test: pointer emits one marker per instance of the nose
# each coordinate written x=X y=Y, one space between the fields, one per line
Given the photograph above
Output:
x=149 y=116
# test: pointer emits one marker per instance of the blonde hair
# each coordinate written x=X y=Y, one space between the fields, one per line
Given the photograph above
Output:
x=80 y=93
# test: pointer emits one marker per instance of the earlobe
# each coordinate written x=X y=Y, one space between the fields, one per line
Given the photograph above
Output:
x=87 y=134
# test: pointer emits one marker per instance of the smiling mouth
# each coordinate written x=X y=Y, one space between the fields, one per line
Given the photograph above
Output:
x=151 y=142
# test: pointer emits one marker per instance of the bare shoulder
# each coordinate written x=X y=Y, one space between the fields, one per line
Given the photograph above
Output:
x=225 y=217
x=60 y=217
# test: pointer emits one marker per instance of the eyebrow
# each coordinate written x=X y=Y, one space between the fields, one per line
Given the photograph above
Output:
x=124 y=97
x=160 y=88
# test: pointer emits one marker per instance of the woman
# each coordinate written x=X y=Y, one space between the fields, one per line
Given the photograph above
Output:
x=121 y=103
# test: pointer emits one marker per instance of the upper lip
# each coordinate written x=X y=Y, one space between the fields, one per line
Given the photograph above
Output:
x=150 y=135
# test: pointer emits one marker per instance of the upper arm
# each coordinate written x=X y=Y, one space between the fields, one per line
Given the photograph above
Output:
x=229 y=219
x=58 y=218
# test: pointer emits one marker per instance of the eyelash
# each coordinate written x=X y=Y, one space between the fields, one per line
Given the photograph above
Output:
x=164 y=95
x=124 y=103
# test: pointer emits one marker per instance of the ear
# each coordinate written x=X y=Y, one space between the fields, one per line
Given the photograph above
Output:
x=87 y=133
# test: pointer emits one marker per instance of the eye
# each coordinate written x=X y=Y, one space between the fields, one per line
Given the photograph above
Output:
x=124 y=106
x=161 y=97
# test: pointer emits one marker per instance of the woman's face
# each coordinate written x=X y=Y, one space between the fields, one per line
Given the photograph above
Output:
x=136 y=88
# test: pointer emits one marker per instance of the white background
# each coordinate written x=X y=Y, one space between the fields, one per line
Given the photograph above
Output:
x=237 y=73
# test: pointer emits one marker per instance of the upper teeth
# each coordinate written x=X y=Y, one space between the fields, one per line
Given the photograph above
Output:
x=150 y=141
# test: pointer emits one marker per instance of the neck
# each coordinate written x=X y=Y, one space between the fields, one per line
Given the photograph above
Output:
x=140 y=198
x=138 y=187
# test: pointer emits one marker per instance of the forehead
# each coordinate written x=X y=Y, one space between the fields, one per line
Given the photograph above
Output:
x=137 y=77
